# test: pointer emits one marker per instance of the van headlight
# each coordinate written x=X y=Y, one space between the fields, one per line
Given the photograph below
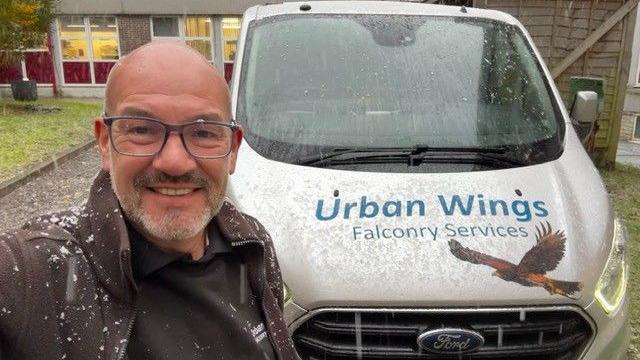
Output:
x=612 y=285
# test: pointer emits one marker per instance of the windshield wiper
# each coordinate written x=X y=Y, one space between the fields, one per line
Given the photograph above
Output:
x=414 y=155
x=422 y=153
x=469 y=158
x=355 y=153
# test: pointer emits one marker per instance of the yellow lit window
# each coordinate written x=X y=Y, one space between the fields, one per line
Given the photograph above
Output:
x=72 y=26
x=104 y=38
x=197 y=34
x=197 y=26
x=89 y=47
x=74 y=49
x=202 y=46
x=230 y=33
x=105 y=49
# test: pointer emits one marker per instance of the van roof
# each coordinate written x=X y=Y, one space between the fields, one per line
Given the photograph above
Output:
x=373 y=7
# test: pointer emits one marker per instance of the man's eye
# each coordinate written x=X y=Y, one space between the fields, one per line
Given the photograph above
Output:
x=140 y=130
x=202 y=134
x=206 y=134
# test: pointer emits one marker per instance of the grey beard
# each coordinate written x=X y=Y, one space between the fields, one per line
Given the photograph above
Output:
x=173 y=226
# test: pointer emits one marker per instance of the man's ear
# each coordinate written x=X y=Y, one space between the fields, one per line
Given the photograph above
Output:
x=102 y=139
x=235 y=145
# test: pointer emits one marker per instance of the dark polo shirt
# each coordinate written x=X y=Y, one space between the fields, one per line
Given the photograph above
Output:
x=201 y=309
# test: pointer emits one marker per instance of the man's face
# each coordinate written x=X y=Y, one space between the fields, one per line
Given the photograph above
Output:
x=170 y=196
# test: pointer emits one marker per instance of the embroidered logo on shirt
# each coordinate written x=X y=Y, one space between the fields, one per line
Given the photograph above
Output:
x=258 y=332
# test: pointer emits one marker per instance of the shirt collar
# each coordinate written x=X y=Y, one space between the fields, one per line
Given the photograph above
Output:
x=147 y=258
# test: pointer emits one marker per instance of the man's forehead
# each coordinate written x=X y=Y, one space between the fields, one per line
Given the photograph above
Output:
x=169 y=80
x=154 y=106
x=169 y=69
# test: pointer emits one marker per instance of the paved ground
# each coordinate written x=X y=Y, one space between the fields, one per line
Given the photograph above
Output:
x=68 y=185
x=629 y=153
x=61 y=188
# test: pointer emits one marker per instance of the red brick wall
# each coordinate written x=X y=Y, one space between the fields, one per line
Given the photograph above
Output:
x=133 y=31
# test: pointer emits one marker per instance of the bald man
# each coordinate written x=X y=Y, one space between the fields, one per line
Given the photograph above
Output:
x=156 y=265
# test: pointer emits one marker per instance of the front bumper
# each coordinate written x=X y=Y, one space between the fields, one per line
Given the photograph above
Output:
x=612 y=332
x=610 y=340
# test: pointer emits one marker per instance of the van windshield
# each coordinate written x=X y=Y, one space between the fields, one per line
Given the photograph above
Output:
x=322 y=84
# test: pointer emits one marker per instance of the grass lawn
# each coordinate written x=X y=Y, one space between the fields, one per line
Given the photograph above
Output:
x=29 y=137
x=623 y=184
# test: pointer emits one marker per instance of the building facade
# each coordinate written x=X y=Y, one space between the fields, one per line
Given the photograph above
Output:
x=630 y=127
x=87 y=38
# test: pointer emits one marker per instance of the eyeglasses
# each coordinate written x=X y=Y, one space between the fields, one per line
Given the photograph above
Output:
x=142 y=136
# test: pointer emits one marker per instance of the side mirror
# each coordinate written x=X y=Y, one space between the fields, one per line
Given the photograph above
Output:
x=584 y=113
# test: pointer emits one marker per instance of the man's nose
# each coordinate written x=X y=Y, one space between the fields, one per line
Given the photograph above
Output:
x=174 y=159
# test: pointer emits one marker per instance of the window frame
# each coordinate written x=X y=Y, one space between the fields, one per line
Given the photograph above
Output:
x=88 y=37
x=62 y=38
x=154 y=37
x=225 y=38
x=91 y=37
x=181 y=31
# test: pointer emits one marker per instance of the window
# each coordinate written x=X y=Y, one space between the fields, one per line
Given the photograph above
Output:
x=230 y=34
x=73 y=38
x=104 y=39
x=484 y=89
x=636 y=129
x=165 y=27
x=195 y=31
x=89 y=47
x=197 y=34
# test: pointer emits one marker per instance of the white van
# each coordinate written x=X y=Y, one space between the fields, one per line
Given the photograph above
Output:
x=424 y=186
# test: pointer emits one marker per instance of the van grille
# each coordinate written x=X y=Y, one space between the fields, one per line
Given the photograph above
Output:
x=511 y=333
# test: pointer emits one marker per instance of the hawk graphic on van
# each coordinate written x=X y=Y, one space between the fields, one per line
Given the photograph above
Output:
x=540 y=259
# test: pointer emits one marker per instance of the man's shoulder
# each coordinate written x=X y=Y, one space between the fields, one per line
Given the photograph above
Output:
x=239 y=226
x=60 y=224
x=43 y=271
x=52 y=234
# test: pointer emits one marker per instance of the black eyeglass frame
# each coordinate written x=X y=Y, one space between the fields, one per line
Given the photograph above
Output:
x=108 y=121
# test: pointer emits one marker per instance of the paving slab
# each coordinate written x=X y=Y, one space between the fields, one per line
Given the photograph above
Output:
x=64 y=186
x=628 y=153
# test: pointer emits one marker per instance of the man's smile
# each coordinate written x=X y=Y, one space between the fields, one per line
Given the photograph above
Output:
x=173 y=191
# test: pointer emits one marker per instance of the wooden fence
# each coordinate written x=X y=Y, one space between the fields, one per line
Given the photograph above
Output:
x=582 y=38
